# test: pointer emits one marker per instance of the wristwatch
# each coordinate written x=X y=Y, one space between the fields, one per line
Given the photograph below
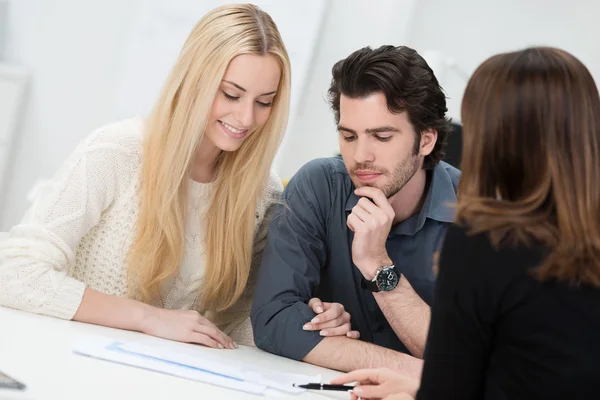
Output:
x=386 y=279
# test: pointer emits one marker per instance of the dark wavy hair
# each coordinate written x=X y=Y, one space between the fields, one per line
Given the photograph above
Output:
x=408 y=84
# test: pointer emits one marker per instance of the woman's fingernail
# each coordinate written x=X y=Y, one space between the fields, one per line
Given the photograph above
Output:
x=307 y=327
x=319 y=309
x=357 y=390
x=221 y=346
x=324 y=333
x=315 y=320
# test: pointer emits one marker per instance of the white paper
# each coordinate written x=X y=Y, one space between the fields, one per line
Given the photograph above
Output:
x=99 y=348
x=208 y=369
x=262 y=376
x=12 y=394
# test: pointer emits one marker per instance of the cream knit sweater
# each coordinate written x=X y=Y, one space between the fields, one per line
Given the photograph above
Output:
x=79 y=229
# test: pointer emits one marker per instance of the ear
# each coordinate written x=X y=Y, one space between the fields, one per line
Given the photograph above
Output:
x=428 y=141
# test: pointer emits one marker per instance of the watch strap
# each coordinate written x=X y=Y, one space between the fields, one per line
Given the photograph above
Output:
x=370 y=285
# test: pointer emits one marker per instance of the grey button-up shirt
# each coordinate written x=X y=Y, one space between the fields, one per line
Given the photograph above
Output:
x=309 y=254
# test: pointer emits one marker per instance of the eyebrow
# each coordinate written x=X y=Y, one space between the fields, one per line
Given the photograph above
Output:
x=371 y=131
x=244 y=90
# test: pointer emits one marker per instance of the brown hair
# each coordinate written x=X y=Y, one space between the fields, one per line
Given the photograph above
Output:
x=408 y=84
x=531 y=159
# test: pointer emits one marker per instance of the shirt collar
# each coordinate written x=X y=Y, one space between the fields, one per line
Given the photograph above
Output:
x=438 y=205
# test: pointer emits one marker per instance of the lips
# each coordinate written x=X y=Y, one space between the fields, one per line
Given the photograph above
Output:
x=232 y=131
x=367 y=176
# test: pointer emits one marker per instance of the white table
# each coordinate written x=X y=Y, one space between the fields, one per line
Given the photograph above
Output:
x=37 y=351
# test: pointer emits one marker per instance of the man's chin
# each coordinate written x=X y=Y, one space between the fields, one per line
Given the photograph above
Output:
x=358 y=185
x=389 y=193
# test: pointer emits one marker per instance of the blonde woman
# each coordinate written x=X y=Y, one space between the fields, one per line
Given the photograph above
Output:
x=156 y=225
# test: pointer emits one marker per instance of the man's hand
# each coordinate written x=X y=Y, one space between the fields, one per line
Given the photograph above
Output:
x=331 y=320
x=371 y=222
x=379 y=383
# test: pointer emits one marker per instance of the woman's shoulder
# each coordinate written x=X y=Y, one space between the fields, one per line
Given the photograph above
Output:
x=125 y=135
x=271 y=194
x=113 y=150
x=273 y=189
x=462 y=244
x=458 y=234
x=461 y=237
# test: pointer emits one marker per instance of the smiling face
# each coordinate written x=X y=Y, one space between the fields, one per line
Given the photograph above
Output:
x=379 y=147
x=243 y=102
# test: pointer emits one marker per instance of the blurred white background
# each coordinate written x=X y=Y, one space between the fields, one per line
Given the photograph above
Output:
x=90 y=62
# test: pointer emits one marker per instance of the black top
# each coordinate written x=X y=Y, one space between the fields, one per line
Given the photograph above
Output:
x=497 y=333
x=309 y=254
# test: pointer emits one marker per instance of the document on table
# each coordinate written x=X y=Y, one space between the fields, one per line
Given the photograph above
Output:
x=208 y=369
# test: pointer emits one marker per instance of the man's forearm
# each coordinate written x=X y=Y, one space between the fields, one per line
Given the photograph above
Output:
x=344 y=354
x=407 y=314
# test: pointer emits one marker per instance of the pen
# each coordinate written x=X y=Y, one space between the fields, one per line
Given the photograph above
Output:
x=322 y=386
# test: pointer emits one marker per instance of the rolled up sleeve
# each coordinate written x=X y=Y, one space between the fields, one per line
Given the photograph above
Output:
x=291 y=265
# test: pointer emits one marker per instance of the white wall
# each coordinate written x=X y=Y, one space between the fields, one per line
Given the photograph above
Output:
x=465 y=31
x=71 y=48
x=469 y=31
x=74 y=50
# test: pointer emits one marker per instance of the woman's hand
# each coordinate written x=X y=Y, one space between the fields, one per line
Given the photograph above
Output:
x=379 y=384
x=331 y=320
x=185 y=326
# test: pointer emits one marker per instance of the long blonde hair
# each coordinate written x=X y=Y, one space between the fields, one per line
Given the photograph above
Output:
x=173 y=131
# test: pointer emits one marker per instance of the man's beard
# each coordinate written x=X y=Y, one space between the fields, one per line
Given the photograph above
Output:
x=403 y=173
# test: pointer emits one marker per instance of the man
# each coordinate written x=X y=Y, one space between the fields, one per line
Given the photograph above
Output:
x=362 y=230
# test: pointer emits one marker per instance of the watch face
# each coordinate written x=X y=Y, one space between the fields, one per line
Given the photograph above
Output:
x=387 y=280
